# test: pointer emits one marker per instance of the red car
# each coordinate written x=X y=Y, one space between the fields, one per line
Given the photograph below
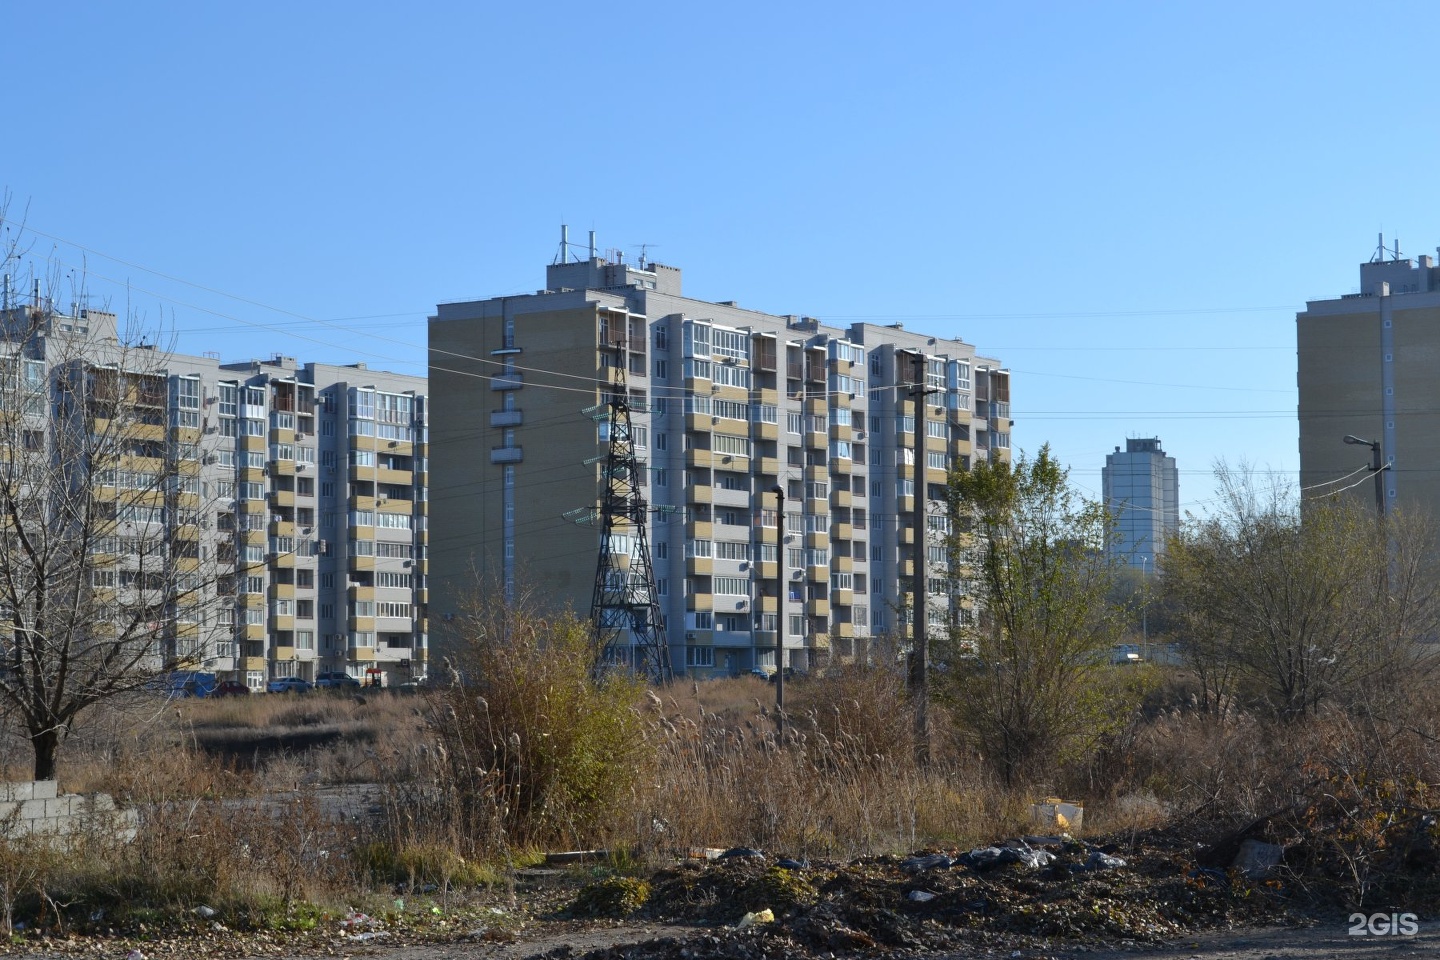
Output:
x=230 y=688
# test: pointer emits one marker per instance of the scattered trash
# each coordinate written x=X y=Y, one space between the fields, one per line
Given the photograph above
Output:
x=1102 y=861
x=369 y=935
x=134 y=955
x=355 y=919
x=204 y=912
x=1052 y=811
x=1209 y=875
x=1257 y=859
x=740 y=852
x=920 y=896
x=785 y=863
x=755 y=919
x=930 y=861
x=1017 y=851
x=97 y=915
x=706 y=853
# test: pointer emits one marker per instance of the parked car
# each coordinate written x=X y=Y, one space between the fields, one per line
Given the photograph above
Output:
x=790 y=674
x=335 y=680
x=288 y=685
x=231 y=688
x=764 y=673
x=180 y=684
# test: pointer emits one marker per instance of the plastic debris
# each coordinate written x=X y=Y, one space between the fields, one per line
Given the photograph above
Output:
x=355 y=919
x=204 y=912
x=134 y=955
x=757 y=918
x=920 y=896
x=368 y=935
x=982 y=858
x=785 y=863
x=740 y=852
x=931 y=861
x=1103 y=861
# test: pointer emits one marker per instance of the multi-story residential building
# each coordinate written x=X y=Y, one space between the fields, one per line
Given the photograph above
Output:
x=1366 y=371
x=730 y=404
x=281 y=506
x=1141 y=487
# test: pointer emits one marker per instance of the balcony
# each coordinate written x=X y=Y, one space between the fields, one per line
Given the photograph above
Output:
x=506 y=454
x=507 y=381
x=506 y=418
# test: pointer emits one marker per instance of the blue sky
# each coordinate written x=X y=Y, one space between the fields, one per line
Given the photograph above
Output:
x=1124 y=202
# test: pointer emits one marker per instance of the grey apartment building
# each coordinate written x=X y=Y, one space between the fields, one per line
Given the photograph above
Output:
x=290 y=497
x=1141 y=488
x=729 y=403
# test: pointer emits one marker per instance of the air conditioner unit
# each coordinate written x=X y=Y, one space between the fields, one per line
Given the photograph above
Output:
x=689 y=636
x=212 y=459
x=797 y=574
x=301 y=466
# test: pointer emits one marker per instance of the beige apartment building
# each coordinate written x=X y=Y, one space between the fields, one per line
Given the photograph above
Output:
x=729 y=404
x=270 y=515
x=1367 y=369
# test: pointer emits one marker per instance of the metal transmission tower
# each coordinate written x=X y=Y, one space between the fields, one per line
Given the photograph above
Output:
x=625 y=597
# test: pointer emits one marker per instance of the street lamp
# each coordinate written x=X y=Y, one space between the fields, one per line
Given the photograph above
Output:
x=781 y=583
x=1376 y=467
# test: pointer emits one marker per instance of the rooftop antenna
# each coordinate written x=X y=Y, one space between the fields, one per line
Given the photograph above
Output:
x=643 y=248
x=563 y=256
x=1380 y=251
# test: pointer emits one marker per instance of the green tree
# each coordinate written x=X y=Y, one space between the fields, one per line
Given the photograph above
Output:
x=1300 y=608
x=1039 y=688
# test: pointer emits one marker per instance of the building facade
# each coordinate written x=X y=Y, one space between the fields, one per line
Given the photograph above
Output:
x=729 y=404
x=270 y=515
x=1366 y=371
x=1141 y=487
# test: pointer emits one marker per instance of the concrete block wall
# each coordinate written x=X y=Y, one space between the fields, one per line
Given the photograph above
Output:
x=36 y=807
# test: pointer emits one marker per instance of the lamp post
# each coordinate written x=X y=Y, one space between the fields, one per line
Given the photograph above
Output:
x=1377 y=467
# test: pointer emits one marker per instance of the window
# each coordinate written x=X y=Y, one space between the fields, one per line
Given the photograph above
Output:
x=699 y=656
x=229 y=397
x=726 y=445
x=732 y=586
x=662 y=370
x=697 y=548
x=729 y=550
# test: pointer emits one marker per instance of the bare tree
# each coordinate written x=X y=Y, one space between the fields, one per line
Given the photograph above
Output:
x=102 y=580
x=1301 y=608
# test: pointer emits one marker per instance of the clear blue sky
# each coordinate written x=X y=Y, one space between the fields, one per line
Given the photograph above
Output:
x=1124 y=202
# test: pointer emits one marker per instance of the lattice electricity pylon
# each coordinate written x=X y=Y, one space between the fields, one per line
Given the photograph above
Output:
x=624 y=598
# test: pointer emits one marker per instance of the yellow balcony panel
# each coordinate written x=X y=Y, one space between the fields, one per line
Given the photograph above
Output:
x=818 y=573
x=817 y=539
x=841 y=466
x=358 y=592
x=700 y=602
x=699 y=637
x=186 y=434
x=282 y=654
x=907 y=535
x=361 y=502
x=401 y=448
x=934 y=475
x=402 y=508
x=422 y=595
x=362 y=473
x=252 y=474
x=282 y=528
x=765 y=604
x=151 y=465
x=187 y=564
x=253 y=444
x=187 y=531
x=840 y=498
x=765 y=638
x=766 y=431
x=817 y=608
x=767 y=395
x=842 y=531
x=282 y=468
x=700 y=493
x=840 y=431
x=907 y=568
x=278 y=624
x=362 y=654
x=816 y=406
x=401 y=478
x=769 y=569
x=904 y=504
x=187 y=630
x=699 y=566
x=282 y=591
x=254 y=631
x=361 y=563
x=366 y=624
x=255 y=664
x=846 y=630
x=727 y=392
x=699 y=458
x=842 y=598
x=699 y=530
x=770 y=466
x=843 y=564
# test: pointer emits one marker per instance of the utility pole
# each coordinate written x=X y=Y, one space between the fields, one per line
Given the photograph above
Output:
x=781 y=584
x=919 y=679
x=1377 y=467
